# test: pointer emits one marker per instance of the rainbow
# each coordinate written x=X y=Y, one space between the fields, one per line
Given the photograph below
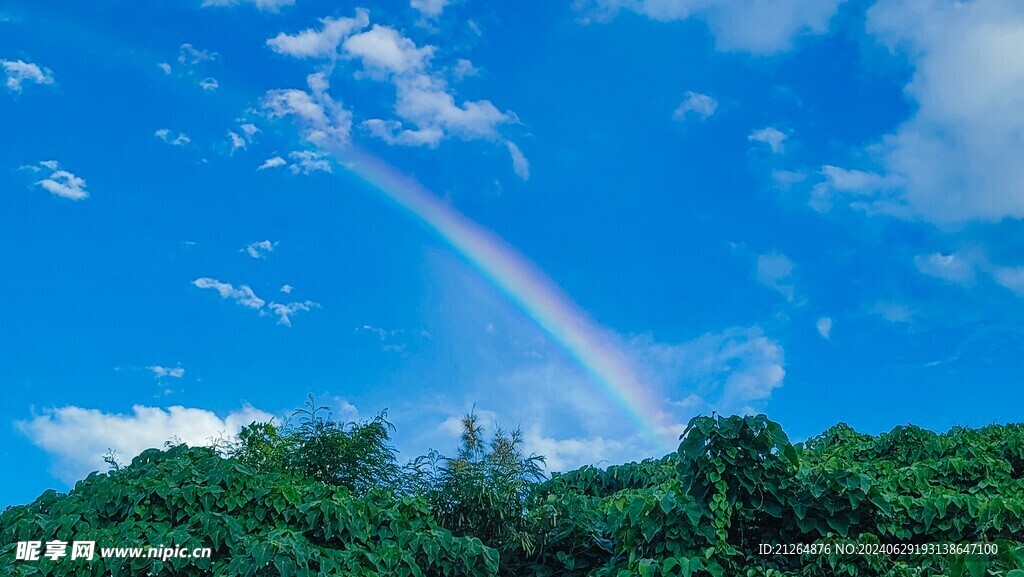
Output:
x=527 y=288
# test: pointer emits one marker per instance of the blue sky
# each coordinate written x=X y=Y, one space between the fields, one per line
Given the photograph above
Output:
x=811 y=211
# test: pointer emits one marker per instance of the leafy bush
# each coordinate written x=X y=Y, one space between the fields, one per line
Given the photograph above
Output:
x=357 y=455
x=257 y=524
x=737 y=482
x=734 y=485
x=483 y=491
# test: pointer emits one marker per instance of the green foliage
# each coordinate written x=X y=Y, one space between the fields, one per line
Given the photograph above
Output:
x=737 y=482
x=257 y=524
x=734 y=485
x=357 y=455
x=483 y=491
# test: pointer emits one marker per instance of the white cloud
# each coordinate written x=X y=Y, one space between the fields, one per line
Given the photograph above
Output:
x=263 y=5
x=696 y=104
x=209 y=84
x=60 y=182
x=285 y=311
x=426 y=111
x=382 y=333
x=965 y=265
x=167 y=136
x=738 y=25
x=320 y=43
x=958 y=157
x=382 y=49
x=566 y=454
x=324 y=122
x=19 y=71
x=464 y=69
x=302 y=162
x=165 y=67
x=242 y=141
x=786 y=179
x=189 y=54
x=425 y=102
x=391 y=131
x=892 y=312
x=770 y=136
x=237 y=142
x=520 y=165
x=862 y=189
x=287 y=289
x=243 y=295
x=77 y=438
x=170 y=372
x=259 y=249
x=308 y=161
x=774 y=270
x=429 y=8
x=954 y=268
x=824 y=326
x=273 y=162
x=249 y=130
x=729 y=371
x=1011 y=278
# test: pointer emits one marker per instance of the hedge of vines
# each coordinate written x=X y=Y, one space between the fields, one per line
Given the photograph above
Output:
x=255 y=524
x=735 y=485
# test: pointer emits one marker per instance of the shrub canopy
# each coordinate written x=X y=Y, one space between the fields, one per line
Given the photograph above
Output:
x=734 y=485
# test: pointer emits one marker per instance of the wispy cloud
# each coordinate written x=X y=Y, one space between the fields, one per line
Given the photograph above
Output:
x=273 y=162
x=259 y=249
x=19 y=72
x=301 y=162
x=284 y=312
x=237 y=142
x=262 y=5
x=775 y=270
x=520 y=165
x=862 y=189
x=737 y=25
x=824 y=326
x=169 y=372
x=773 y=137
x=249 y=130
x=893 y=312
x=320 y=42
x=697 y=105
x=429 y=8
x=243 y=295
x=954 y=268
x=308 y=161
x=190 y=55
x=324 y=121
x=166 y=135
x=1011 y=278
x=59 y=182
x=733 y=370
x=464 y=69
